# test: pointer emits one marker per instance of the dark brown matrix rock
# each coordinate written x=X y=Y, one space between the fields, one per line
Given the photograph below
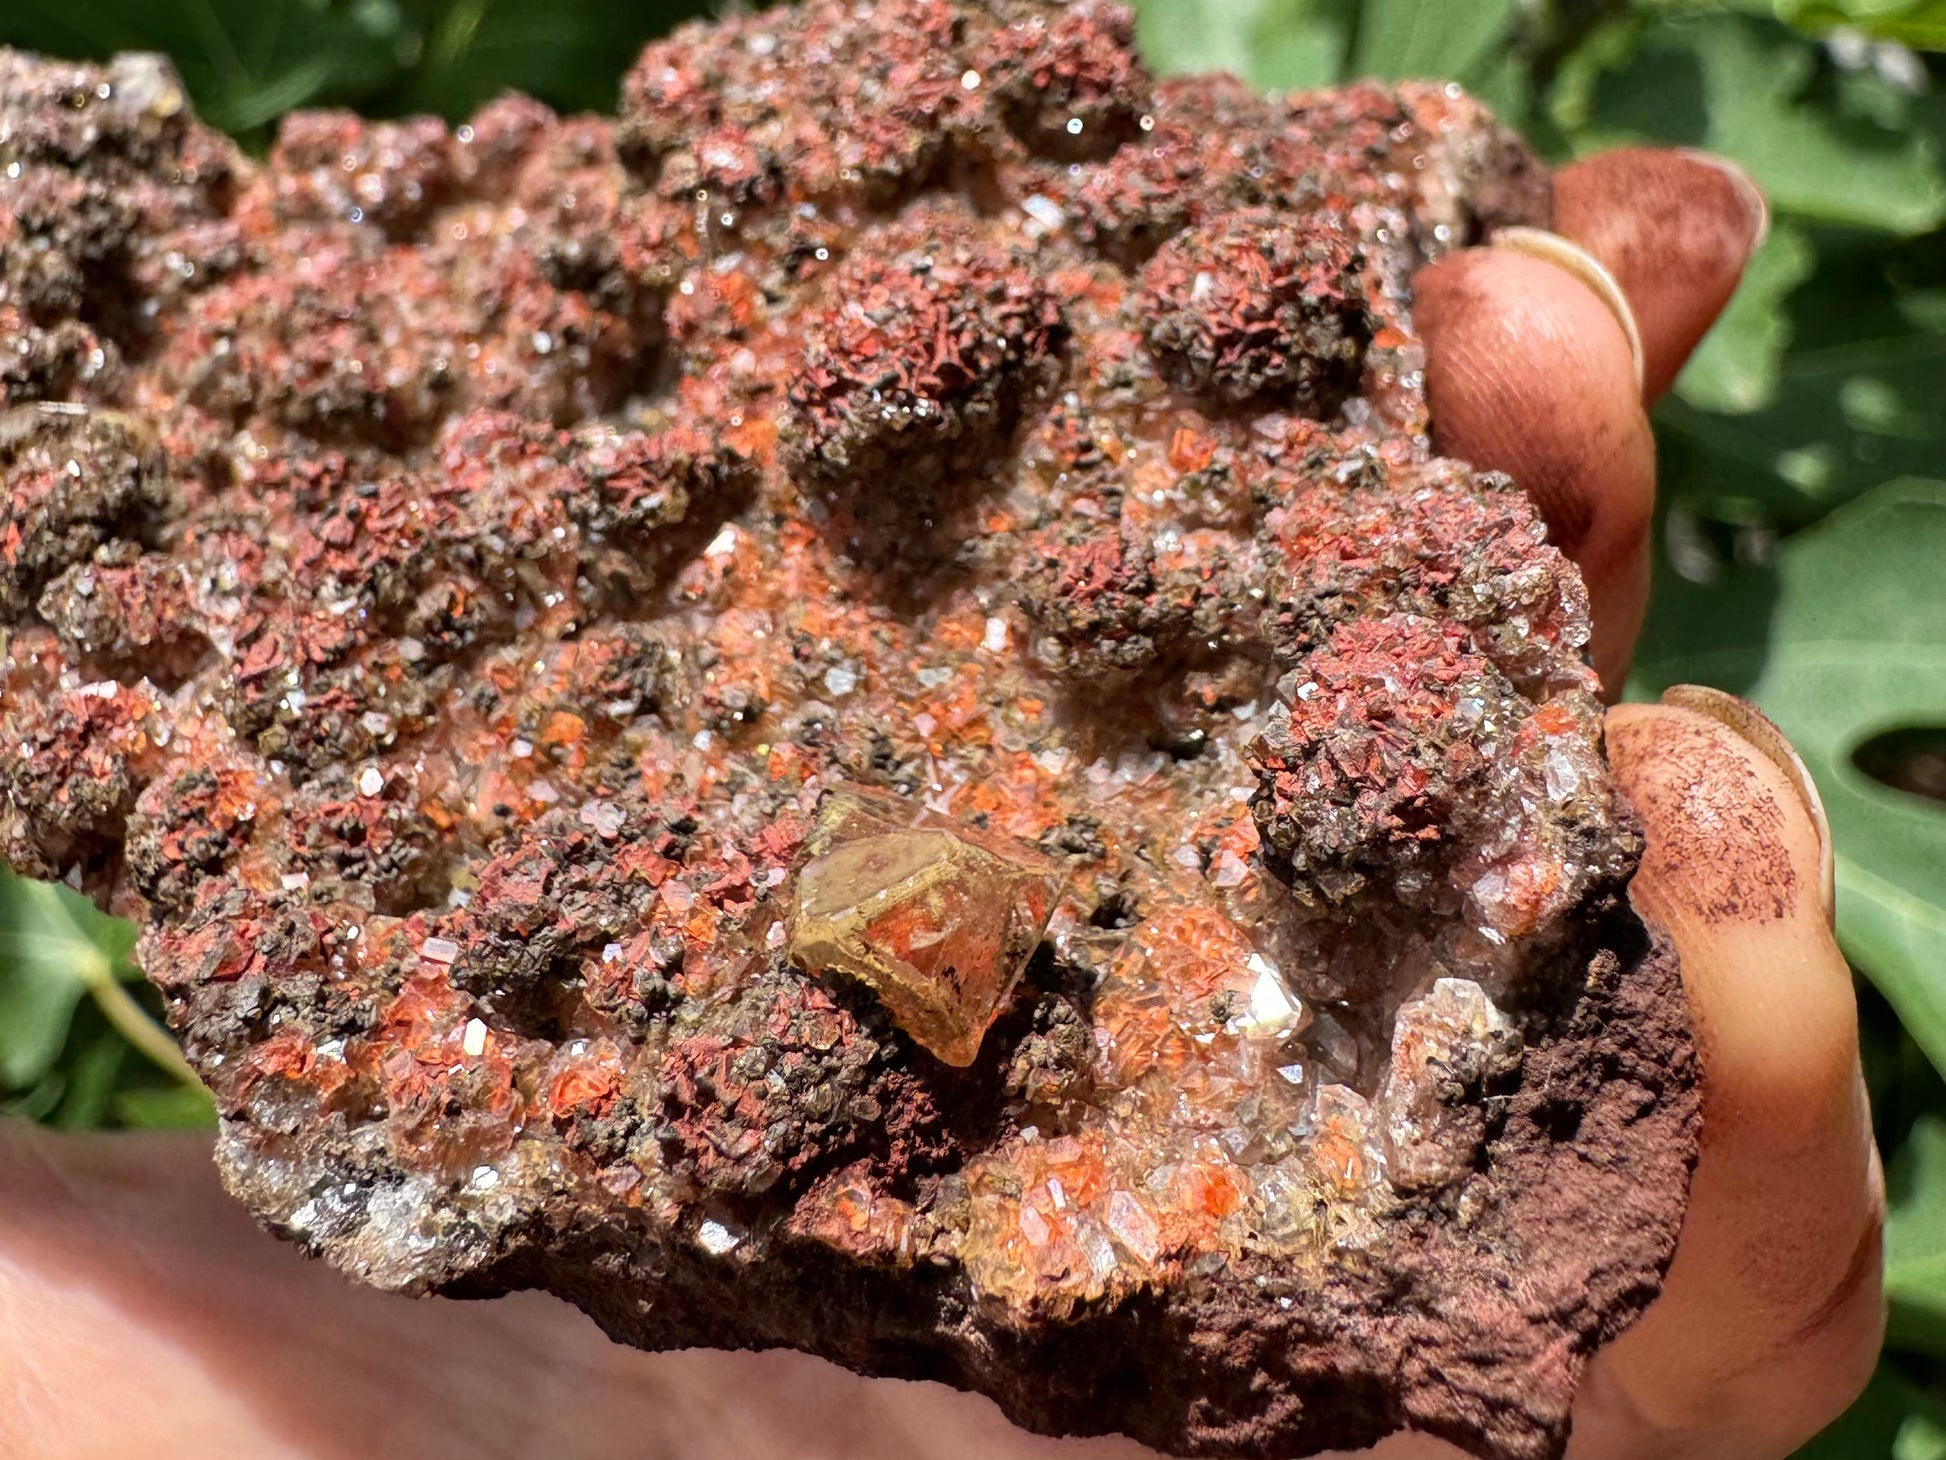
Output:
x=849 y=712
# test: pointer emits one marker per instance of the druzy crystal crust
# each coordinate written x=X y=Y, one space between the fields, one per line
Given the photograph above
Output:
x=849 y=711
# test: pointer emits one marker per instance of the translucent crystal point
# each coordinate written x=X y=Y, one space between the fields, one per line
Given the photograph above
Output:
x=938 y=920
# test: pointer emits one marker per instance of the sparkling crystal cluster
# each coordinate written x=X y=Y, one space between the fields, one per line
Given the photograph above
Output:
x=860 y=681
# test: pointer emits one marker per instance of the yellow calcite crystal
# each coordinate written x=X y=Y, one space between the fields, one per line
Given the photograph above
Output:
x=935 y=918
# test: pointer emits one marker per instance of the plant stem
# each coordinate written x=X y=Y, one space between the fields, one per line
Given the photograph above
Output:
x=132 y=1021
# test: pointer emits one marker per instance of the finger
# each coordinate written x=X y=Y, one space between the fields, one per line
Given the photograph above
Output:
x=1674 y=229
x=123 y=1254
x=1540 y=355
x=223 y=1344
x=1770 y=1317
x=1529 y=372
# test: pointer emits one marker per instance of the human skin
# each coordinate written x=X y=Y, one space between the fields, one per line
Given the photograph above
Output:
x=140 y=1309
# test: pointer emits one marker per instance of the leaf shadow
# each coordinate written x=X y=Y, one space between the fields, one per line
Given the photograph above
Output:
x=1710 y=610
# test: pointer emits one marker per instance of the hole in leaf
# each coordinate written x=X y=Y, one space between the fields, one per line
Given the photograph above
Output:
x=1910 y=759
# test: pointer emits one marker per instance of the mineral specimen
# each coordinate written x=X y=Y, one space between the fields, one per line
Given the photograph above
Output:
x=849 y=712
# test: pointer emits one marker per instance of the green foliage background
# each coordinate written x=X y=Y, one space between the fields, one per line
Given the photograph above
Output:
x=1801 y=541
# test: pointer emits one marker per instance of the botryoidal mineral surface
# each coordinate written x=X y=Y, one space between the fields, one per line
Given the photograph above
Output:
x=849 y=711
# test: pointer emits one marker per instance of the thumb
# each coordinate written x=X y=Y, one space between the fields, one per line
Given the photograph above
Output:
x=1770 y=1317
x=1541 y=353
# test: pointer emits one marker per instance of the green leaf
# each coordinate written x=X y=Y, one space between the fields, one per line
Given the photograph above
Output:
x=1919 y=23
x=1894 y=1419
x=1758 y=93
x=53 y=944
x=1915 y=1239
x=1735 y=370
x=1501 y=79
x=1921 y=1437
x=246 y=62
x=1856 y=645
x=570 y=55
x=1810 y=159
x=40 y=1102
x=1855 y=396
x=1439 y=38
x=1301 y=44
x=92 y=1072
x=1281 y=45
x=164 y=1107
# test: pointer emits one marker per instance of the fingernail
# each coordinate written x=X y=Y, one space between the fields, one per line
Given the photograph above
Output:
x=1756 y=729
x=1538 y=243
x=1755 y=204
